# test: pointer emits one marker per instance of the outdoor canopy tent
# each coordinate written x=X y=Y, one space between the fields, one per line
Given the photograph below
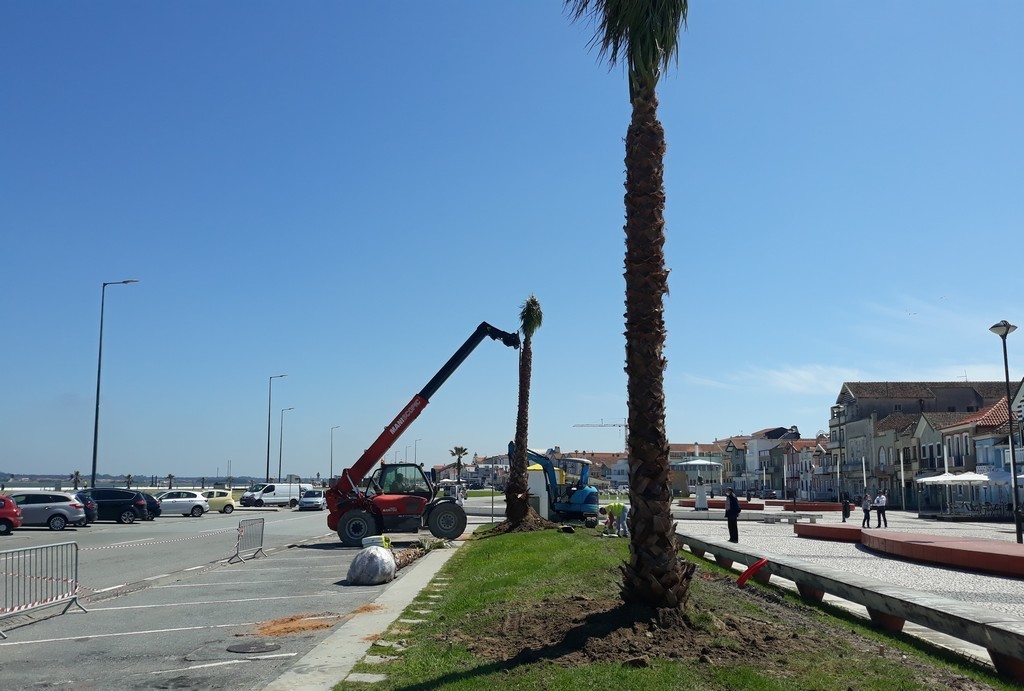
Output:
x=702 y=463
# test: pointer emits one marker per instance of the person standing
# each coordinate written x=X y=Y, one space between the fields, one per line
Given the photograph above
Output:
x=880 y=502
x=866 y=505
x=846 y=508
x=732 y=512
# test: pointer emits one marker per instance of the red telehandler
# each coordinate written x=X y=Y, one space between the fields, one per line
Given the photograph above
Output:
x=398 y=497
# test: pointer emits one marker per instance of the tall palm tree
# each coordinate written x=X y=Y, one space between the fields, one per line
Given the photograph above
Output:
x=458 y=452
x=128 y=481
x=170 y=481
x=644 y=34
x=77 y=478
x=517 y=505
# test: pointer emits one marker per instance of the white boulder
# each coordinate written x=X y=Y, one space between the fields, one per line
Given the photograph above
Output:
x=372 y=566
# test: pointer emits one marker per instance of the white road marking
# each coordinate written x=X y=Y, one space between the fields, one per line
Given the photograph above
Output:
x=215 y=585
x=204 y=602
x=132 y=542
x=225 y=662
x=193 y=568
x=153 y=578
x=113 y=587
x=125 y=633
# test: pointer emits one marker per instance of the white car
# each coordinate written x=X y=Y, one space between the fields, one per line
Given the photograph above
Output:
x=313 y=499
x=184 y=501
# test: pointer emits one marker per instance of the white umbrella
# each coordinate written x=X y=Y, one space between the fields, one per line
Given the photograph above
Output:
x=969 y=478
x=943 y=479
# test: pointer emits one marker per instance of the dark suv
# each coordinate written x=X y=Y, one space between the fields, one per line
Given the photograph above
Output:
x=121 y=505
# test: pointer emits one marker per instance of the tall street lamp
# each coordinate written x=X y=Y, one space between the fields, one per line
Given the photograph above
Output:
x=414 y=454
x=330 y=475
x=280 y=443
x=99 y=369
x=270 y=396
x=1004 y=329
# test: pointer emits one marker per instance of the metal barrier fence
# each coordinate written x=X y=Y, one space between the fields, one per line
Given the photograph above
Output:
x=36 y=577
x=250 y=539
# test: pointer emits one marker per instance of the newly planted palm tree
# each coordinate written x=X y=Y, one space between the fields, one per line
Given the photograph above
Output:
x=517 y=504
x=170 y=481
x=644 y=35
x=458 y=452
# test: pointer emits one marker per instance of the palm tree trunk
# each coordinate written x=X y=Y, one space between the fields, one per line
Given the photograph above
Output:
x=517 y=505
x=654 y=574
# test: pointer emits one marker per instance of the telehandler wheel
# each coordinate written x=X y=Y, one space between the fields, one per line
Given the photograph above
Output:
x=447 y=521
x=354 y=526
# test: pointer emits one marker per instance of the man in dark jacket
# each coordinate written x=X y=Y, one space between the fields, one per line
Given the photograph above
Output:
x=732 y=512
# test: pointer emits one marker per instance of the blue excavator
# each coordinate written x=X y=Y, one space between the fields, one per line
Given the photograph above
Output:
x=575 y=500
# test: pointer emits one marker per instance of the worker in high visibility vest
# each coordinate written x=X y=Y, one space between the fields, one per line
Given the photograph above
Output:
x=617 y=513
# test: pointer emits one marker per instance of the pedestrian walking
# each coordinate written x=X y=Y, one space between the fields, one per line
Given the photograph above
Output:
x=880 y=502
x=866 y=505
x=732 y=512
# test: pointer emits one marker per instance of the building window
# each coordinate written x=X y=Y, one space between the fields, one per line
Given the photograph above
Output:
x=898 y=408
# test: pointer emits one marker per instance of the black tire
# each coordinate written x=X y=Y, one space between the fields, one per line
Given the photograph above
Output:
x=57 y=522
x=196 y=511
x=293 y=503
x=354 y=526
x=228 y=508
x=6 y=527
x=127 y=516
x=259 y=503
x=82 y=523
x=447 y=521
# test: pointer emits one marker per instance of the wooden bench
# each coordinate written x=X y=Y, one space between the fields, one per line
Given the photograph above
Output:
x=889 y=606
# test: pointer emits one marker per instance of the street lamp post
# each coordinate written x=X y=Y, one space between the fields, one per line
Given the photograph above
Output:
x=270 y=396
x=1004 y=329
x=280 y=442
x=330 y=475
x=99 y=369
x=414 y=454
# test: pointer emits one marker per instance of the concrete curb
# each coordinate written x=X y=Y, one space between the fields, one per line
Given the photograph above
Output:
x=332 y=660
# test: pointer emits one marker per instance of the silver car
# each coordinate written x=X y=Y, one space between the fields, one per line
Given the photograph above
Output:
x=313 y=499
x=52 y=509
x=184 y=501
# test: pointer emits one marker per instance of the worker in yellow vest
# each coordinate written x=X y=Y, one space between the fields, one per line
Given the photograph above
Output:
x=617 y=513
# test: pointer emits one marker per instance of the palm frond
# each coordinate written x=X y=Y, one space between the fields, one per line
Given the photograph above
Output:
x=530 y=316
x=643 y=33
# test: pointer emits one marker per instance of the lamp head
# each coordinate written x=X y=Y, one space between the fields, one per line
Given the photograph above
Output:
x=1002 y=329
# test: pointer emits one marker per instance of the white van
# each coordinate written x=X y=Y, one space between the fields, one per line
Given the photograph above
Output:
x=275 y=494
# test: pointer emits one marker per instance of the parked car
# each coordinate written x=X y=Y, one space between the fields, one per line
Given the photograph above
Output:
x=313 y=499
x=152 y=506
x=121 y=505
x=52 y=509
x=275 y=494
x=220 y=500
x=91 y=510
x=184 y=501
x=10 y=515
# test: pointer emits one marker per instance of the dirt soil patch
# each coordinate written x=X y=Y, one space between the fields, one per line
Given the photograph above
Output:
x=532 y=522
x=581 y=630
x=298 y=623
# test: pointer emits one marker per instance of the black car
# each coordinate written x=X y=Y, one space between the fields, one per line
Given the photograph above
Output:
x=91 y=510
x=152 y=506
x=121 y=505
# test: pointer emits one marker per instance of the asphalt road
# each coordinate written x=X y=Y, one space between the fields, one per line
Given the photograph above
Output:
x=164 y=605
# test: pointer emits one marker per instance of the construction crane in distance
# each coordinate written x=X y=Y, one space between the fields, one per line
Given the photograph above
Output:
x=623 y=425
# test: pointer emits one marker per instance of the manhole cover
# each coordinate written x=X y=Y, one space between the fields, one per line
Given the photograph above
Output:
x=256 y=647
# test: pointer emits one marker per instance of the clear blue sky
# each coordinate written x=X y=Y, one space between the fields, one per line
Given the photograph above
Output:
x=342 y=191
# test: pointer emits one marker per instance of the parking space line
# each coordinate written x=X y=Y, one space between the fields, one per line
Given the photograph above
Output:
x=124 y=633
x=132 y=542
x=215 y=585
x=153 y=578
x=225 y=662
x=205 y=602
x=113 y=587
